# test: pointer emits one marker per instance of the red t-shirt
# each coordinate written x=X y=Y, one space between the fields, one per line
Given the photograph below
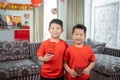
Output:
x=79 y=57
x=54 y=67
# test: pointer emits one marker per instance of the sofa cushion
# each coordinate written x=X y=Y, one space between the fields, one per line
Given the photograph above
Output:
x=14 y=50
x=107 y=65
x=37 y=61
x=98 y=47
x=18 y=68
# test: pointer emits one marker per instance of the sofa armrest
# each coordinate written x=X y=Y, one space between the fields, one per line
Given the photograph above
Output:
x=36 y=60
x=111 y=51
x=33 y=49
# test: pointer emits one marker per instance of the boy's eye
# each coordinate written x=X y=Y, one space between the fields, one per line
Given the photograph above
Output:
x=55 y=28
x=76 y=34
x=52 y=28
x=58 y=28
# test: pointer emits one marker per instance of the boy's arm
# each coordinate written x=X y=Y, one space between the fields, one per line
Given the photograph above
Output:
x=88 y=69
x=67 y=68
x=40 y=53
x=91 y=65
x=41 y=58
x=46 y=58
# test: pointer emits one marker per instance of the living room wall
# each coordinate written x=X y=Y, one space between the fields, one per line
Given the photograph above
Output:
x=21 y=12
x=104 y=22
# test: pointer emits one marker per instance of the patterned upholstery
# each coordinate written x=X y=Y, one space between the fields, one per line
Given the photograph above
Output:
x=107 y=65
x=16 y=61
x=33 y=50
x=20 y=50
x=24 y=67
x=112 y=51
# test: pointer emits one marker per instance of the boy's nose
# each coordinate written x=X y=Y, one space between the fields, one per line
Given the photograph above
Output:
x=55 y=30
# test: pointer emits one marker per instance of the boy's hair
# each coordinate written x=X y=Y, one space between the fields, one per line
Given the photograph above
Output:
x=57 y=21
x=79 y=26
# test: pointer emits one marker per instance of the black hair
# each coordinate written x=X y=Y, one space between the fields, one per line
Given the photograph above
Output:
x=79 y=26
x=57 y=21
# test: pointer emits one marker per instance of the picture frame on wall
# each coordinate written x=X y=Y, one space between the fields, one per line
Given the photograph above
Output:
x=9 y=20
x=17 y=20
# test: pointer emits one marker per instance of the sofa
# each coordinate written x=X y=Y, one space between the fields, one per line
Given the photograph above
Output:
x=107 y=65
x=18 y=60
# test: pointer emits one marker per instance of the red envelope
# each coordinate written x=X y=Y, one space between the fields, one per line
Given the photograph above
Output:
x=79 y=70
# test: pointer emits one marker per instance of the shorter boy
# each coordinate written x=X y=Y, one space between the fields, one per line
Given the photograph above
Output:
x=79 y=58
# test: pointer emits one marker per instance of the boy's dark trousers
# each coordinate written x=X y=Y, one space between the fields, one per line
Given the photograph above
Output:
x=60 y=78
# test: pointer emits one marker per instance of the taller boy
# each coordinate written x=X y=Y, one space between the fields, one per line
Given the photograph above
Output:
x=51 y=53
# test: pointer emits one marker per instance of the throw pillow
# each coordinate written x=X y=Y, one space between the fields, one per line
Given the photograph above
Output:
x=98 y=47
x=69 y=42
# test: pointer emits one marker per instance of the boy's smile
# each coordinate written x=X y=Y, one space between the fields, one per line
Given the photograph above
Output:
x=55 y=30
x=78 y=36
x=78 y=40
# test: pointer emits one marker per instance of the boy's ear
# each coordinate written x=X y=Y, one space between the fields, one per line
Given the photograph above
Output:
x=62 y=30
x=85 y=36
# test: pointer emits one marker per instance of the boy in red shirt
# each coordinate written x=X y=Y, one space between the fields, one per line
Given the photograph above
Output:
x=79 y=58
x=51 y=53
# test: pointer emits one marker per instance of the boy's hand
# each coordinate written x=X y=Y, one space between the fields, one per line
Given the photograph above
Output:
x=47 y=57
x=73 y=73
x=86 y=71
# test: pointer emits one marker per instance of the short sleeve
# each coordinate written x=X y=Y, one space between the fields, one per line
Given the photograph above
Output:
x=41 y=50
x=66 y=45
x=92 y=58
x=67 y=55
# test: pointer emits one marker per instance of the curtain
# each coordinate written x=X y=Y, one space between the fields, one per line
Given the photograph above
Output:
x=36 y=31
x=75 y=14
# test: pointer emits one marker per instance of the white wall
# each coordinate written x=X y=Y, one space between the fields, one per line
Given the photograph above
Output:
x=87 y=16
x=6 y=35
x=21 y=12
x=48 y=5
x=103 y=17
x=10 y=34
x=3 y=0
x=48 y=16
x=62 y=9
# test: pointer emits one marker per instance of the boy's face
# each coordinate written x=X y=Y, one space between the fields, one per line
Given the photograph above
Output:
x=78 y=36
x=55 y=30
